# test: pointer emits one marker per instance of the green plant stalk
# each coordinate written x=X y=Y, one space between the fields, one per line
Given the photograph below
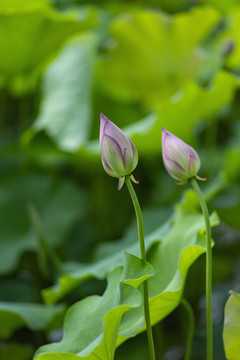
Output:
x=208 y=269
x=45 y=251
x=143 y=256
x=191 y=328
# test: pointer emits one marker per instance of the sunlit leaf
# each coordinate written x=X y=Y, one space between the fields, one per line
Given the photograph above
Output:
x=22 y=4
x=75 y=274
x=171 y=258
x=79 y=273
x=188 y=106
x=40 y=33
x=231 y=331
x=150 y=58
x=94 y=339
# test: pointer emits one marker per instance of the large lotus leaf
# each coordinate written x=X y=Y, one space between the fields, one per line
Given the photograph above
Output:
x=75 y=274
x=40 y=33
x=151 y=58
x=59 y=205
x=22 y=4
x=65 y=112
x=231 y=331
x=33 y=316
x=91 y=325
x=233 y=34
x=189 y=105
x=222 y=5
x=171 y=258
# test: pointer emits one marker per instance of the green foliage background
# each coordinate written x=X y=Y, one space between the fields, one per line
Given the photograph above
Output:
x=64 y=227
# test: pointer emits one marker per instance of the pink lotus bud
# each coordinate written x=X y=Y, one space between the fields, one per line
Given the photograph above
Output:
x=180 y=160
x=119 y=155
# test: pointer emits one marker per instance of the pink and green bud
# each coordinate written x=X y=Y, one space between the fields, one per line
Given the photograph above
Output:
x=119 y=155
x=180 y=160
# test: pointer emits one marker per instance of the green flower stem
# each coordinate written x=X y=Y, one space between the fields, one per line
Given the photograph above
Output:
x=143 y=256
x=208 y=269
x=191 y=328
x=159 y=341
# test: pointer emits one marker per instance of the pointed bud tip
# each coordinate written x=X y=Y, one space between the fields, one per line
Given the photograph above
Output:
x=103 y=117
x=165 y=132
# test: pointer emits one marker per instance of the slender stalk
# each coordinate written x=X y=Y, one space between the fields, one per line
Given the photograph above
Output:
x=158 y=335
x=143 y=256
x=45 y=252
x=191 y=328
x=208 y=269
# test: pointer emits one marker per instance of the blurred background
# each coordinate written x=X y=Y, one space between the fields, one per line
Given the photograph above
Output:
x=144 y=64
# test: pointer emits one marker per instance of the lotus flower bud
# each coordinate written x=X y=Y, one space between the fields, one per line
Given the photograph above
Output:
x=180 y=160
x=119 y=155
